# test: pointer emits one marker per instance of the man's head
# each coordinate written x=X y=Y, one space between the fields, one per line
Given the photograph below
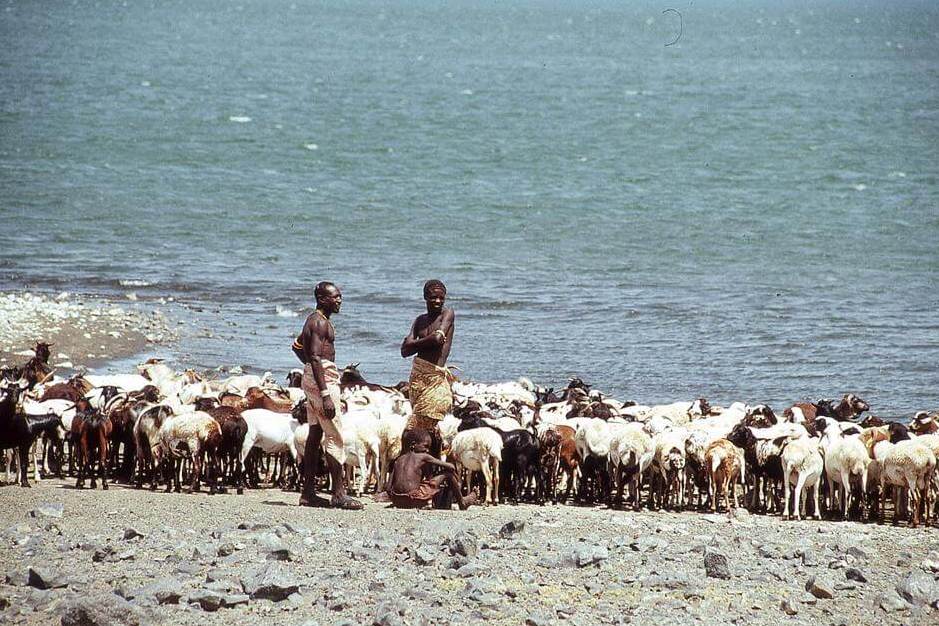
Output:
x=328 y=297
x=435 y=294
x=416 y=440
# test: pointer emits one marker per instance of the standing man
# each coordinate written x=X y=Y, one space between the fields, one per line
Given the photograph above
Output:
x=315 y=347
x=430 y=339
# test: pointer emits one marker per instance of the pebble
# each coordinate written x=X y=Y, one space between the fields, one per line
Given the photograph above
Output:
x=819 y=588
x=716 y=565
x=919 y=588
x=512 y=528
x=48 y=509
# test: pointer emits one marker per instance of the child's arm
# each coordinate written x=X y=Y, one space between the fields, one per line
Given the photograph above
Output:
x=435 y=461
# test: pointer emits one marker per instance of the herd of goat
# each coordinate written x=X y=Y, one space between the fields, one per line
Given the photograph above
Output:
x=522 y=442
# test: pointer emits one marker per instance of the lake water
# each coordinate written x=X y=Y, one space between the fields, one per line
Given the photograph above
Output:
x=749 y=214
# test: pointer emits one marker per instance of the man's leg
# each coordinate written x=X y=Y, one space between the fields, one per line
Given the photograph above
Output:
x=311 y=461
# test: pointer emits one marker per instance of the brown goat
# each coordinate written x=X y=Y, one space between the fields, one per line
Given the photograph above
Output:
x=568 y=458
x=255 y=398
x=90 y=432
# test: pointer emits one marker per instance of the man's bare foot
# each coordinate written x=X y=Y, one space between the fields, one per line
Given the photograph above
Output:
x=345 y=502
x=382 y=496
x=314 y=501
x=467 y=502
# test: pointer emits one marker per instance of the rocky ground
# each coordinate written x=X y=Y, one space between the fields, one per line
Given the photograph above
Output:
x=86 y=332
x=126 y=557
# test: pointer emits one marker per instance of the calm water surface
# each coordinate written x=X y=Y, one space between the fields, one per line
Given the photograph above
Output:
x=749 y=214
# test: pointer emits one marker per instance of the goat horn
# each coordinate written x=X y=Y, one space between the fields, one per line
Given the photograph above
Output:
x=48 y=376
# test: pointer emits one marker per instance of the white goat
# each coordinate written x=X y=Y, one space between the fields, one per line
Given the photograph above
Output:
x=802 y=468
x=479 y=450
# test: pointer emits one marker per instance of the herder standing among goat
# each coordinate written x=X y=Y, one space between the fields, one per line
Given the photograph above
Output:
x=315 y=347
x=430 y=339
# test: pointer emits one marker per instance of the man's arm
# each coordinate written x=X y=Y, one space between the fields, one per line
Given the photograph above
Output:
x=412 y=345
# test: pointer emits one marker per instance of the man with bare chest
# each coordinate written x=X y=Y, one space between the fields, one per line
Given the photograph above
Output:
x=429 y=342
x=315 y=347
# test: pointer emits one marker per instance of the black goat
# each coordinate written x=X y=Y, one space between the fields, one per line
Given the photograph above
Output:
x=19 y=431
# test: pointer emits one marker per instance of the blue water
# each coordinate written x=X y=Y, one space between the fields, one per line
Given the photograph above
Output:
x=749 y=214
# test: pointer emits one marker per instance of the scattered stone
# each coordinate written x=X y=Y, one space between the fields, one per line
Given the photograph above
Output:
x=716 y=565
x=469 y=570
x=163 y=591
x=586 y=554
x=104 y=554
x=18 y=577
x=234 y=599
x=270 y=583
x=388 y=614
x=892 y=602
x=42 y=578
x=857 y=553
x=226 y=549
x=645 y=543
x=207 y=600
x=931 y=563
x=512 y=528
x=919 y=588
x=853 y=573
x=820 y=589
x=808 y=556
x=103 y=609
x=48 y=509
x=787 y=607
x=424 y=556
x=463 y=544
x=132 y=533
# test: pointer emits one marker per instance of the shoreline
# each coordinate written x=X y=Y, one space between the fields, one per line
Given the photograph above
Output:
x=87 y=332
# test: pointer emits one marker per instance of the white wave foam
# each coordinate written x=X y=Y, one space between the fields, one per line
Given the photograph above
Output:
x=241 y=119
x=282 y=312
x=311 y=146
x=860 y=186
x=897 y=174
x=467 y=92
x=134 y=282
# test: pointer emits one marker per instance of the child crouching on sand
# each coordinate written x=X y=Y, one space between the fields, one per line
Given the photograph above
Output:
x=409 y=489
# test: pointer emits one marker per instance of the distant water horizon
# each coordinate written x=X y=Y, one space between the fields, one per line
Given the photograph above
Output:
x=748 y=214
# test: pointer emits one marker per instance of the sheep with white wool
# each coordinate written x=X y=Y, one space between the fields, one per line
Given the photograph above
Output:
x=668 y=465
x=802 y=469
x=479 y=450
x=630 y=455
x=845 y=458
x=905 y=463
x=191 y=434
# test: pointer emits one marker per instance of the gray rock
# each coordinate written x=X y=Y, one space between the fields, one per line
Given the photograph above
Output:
x=788 y=607
x=857 y=553
x=18 y=577
x=716 y=565
x=905 y=559
x=207 y=600
x=226 y=549
x=275 y=548
x=132 y=533
x=676 y=580
x=808 y=556
x=819 y=588
x=234 y=599
x=270 y=583
x=919 y=588
x=104 y=609
x=891 y=602
x=470 y=570
x=853 y=573
x=537 y=619
x=425 y=556
x=585 y=554
x=646 y=543
x=463 y=544
x=931 y=563
x=48 y=509
x=104 y=554
x=42 y=578
x=769 y=551
x=388 y=613
x=512 y=528
x=163 y=591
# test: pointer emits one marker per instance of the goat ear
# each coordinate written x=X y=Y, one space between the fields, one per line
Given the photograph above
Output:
x=778 y=441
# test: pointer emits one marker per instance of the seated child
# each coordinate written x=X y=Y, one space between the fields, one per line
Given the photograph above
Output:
x=408 y=489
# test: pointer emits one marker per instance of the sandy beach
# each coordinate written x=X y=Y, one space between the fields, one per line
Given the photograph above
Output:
x=135 y=557
x=86 y=332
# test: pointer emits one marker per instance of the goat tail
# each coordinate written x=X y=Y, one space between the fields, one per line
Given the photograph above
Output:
x=715 y=463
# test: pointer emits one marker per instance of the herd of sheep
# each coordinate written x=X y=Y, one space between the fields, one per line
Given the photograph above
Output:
x=517 y=442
